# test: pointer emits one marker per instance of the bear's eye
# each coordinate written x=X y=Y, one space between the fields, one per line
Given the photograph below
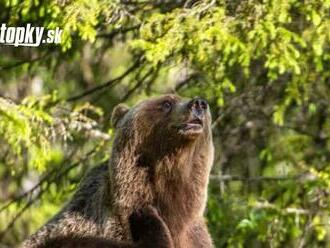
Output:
x=167 y=105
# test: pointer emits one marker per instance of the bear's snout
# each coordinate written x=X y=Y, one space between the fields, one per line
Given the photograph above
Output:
x=198 y=107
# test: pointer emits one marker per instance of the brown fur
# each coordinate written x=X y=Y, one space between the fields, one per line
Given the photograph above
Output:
x=153 y=162
x=147 y=228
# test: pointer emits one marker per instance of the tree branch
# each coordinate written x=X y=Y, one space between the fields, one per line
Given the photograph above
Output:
x=106 y=84
x=17 y=64
x=115 y=32
x=48 y=179
x=299 y=177
x=140 y=82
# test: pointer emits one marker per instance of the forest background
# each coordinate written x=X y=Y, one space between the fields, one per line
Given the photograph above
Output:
x=263 y=65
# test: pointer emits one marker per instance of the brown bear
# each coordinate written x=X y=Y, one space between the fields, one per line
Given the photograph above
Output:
x=148 y=230
x=161 y=156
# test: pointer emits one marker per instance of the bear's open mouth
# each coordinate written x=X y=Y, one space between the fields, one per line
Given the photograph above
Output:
x=192 y=126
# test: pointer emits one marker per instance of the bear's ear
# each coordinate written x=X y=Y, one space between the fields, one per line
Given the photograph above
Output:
x=118 y=112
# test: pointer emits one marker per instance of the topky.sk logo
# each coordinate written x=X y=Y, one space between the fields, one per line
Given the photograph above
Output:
x=28 y=36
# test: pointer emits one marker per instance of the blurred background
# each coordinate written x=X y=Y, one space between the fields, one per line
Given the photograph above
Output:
x=264 y=67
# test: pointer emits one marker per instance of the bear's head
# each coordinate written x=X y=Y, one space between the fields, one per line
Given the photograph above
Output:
x=168 y=119
x=157 y=128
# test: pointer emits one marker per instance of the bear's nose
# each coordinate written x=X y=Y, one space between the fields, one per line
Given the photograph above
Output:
x=198 y=104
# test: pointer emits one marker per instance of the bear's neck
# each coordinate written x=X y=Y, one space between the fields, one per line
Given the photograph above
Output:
x=180 y=186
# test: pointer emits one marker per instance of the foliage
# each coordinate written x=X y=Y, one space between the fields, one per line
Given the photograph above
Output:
x=262 y=65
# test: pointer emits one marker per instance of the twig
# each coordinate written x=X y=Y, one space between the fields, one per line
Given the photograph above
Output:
x=305 y=132
x=105 y=85
x=7 y=67
x=217 y=121
x=19 y=214
x=185 y=82
x=139 y=83
x=42 y=190
x=29 y=192
x=31 y=201
x=207 y=6
x=117 y=31
x=35 y=187
x=267 y=205
x=304 y=177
